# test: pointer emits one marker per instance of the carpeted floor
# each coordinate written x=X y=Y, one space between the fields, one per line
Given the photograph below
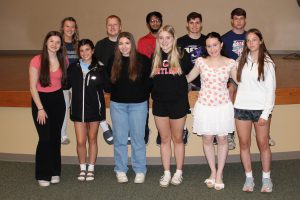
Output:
x=17 y=182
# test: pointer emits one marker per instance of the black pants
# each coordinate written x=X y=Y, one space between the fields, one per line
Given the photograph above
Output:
x=48 y=157
x=103 y=107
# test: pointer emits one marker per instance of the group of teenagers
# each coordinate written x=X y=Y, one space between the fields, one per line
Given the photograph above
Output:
x=234 y=73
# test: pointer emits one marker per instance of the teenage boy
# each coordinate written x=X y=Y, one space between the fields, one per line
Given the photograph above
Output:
x=193 y=44
x=233 y=41
x=104 y=50
x=146 y=46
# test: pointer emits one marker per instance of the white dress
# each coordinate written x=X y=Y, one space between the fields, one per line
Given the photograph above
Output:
x=213 y=111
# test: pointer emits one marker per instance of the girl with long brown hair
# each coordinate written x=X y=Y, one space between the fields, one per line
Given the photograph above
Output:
x=129 y=74
x=253 y=105
x=47 y=75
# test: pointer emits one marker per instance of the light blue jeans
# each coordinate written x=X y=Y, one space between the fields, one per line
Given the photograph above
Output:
x=129 y=117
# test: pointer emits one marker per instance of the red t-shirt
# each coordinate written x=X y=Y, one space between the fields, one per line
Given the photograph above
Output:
x=55 y=77
x=146 y=45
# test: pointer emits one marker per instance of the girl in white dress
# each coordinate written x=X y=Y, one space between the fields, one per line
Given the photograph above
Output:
x=213 y=111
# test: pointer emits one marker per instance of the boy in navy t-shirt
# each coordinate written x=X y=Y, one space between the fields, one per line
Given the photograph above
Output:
x=233 y=41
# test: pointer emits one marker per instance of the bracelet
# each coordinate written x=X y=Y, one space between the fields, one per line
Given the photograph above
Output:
x=41 y=109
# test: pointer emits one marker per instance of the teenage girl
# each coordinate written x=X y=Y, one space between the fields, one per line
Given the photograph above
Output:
x=86 y=77
x=253 y=105
x=47 y=75
x=213 y=111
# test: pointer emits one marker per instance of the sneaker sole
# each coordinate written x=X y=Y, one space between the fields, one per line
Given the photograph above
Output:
x=139 y=182
x=54 y=182
x=164 y=186
x=44 y=184
x=247 y=190
x=266 y=191
x=122 y=181
x=175 y=184
x=65 y=142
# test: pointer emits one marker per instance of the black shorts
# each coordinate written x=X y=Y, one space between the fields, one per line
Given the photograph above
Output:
x=173 y=110
x=252 y=115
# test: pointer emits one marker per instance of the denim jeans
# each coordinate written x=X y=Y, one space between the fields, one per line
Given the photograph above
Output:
x=129 y=117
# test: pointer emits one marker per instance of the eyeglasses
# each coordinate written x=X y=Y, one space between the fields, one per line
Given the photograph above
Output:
x=155 y=21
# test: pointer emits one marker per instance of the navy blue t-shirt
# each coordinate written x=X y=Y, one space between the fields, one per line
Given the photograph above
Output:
x=72 y=56
x=233 y=43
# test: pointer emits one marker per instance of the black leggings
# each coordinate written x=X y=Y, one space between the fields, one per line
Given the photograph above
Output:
x=48 y=157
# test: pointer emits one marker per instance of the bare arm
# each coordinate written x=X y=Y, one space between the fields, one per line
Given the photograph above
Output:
x=233 y=74
x=193 y=74
x=33 y=79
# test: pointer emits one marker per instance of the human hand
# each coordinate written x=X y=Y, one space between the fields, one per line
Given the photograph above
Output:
x=262 y=122
x=41 y=118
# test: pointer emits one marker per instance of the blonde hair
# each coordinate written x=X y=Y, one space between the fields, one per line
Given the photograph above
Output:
x=173 y=55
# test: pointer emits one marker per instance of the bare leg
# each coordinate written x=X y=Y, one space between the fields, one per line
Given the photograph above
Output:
x=81 y=137
x=177 y=126
x=222 y=155
x=209 y=151
x=92 y=138
x=262 y=139
x=244 y=132
x=164 y=129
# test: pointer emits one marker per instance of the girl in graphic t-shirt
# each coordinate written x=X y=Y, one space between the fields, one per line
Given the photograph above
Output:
x=69 y=31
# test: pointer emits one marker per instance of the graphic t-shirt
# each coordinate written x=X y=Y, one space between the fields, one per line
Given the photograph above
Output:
x=234 y=44
x=71 y=53
x=195 y=48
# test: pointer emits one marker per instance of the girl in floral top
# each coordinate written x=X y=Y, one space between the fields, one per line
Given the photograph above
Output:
x=213 y=111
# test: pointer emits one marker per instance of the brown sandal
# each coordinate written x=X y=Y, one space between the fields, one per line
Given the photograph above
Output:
x=90 y=176
x=82 y=175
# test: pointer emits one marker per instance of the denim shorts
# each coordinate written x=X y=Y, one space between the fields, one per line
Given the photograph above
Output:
x=252 y=115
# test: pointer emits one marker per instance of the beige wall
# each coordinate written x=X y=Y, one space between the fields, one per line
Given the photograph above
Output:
x=18 y=134
x=23 y=24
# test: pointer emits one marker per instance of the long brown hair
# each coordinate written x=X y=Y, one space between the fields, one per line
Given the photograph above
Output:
x=133 y=69
x=263 y=56
x=45 y=63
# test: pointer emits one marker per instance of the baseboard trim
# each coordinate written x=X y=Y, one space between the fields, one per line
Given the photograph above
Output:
x=150 y=160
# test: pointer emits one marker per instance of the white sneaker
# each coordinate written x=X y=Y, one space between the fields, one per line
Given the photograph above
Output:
x=139 y=178
x=271 y=142
x=43 y=183
x=121 y=177
x=65 y=140
x=177 y=179
x=267 y=185
x=55 y=179
x=165 y=181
